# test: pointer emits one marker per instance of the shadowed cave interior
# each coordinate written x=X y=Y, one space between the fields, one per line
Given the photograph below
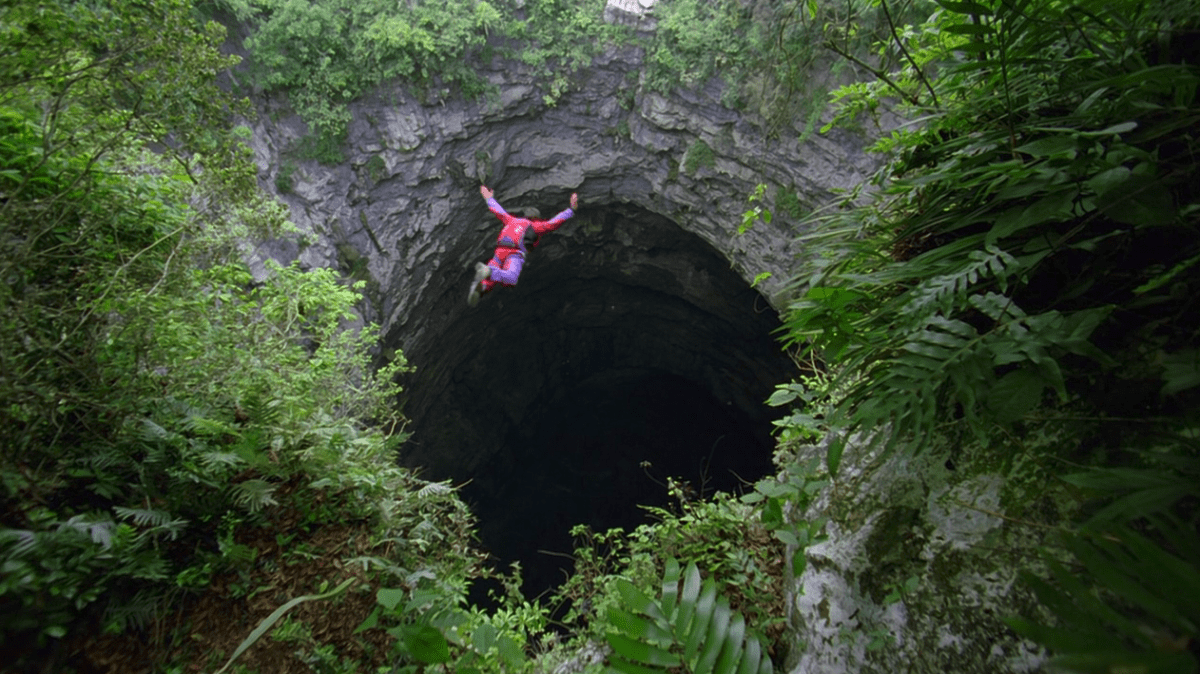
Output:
x=629 y=352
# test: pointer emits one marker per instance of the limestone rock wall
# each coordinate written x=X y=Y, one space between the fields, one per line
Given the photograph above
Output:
x=917 y=571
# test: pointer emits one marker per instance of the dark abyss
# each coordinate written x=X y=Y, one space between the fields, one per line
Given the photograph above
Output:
x=629 y=352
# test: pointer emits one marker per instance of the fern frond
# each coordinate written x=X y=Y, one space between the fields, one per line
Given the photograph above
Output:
x=211 y=460
x=22 y=540
x=947 y=292
x=996 y=306
x=152 y=433
x=260 y=410
x=254 y=494
x=210 y=427
x=142 y=517
x=99 y=530
x=433 y=490
x=136 y=613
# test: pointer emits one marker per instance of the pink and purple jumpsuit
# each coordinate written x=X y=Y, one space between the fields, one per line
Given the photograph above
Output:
x=510 y=252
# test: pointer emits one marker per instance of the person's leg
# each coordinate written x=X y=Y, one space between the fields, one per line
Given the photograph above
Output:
x=511 y=271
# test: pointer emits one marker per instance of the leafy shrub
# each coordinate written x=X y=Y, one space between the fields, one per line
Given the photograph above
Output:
x=557 y=38
x=966 y=287
x=690 y=629
x=740 y=542
x=696 y=40
x=160 y=404
x=1022 y=273
x=326 y=54
x=698 y=154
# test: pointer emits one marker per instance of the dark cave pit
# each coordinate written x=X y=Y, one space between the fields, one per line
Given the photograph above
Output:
x=629 y=352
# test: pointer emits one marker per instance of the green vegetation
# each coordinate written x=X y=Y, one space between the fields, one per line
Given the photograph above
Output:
x=179 y=438
x=326 y=54
x=691 y=629
x=699 y=154
x=1021 y=286
x=184 y=442
x=557 y=38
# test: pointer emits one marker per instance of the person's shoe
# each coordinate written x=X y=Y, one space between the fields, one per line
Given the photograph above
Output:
x=482 y=271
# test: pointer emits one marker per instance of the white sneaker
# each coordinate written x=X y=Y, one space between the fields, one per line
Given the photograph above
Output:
x=482 y=271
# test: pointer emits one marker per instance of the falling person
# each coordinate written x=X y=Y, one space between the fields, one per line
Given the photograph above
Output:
x=505 y=266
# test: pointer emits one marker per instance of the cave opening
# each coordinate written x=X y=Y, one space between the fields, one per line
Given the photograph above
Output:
x=629 y=353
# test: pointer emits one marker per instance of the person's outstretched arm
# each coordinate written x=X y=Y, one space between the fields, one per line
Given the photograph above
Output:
x=493 y=205
x=554 y=223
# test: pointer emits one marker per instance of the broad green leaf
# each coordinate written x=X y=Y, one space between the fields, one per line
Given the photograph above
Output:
x=670 y=586
x=799 y=563
x=731 y=654
x=637 y=627
x=773 y=488
x=621 y=665
x=1181 y=371
x=390 y=597
x=765 y=665
x=632 y=597
x=1108 y=180
x=965 y=7
x=687 y=598
x=833 y=455
x=1179 y=574
x=718 y=630
x=426 y=643
x=1142 y=201
x=370 y=623
x=698 y=630
x=484 y=637
x=1112 y=572
x=1055 y=206
x=511 y=651
x=1123 y=127
x=786 y=537
x=1049 y=146
x=1146 y=662
x=782 y=396
x=1015 y=395
x=772 y=514
x=639 y=652
x=968 y=29
x=1121 y=479
x=751 y=657
x=1058 y=639
x=1074 y=601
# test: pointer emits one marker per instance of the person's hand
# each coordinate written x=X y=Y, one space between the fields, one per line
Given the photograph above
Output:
x=574 y=201
x=487 y=194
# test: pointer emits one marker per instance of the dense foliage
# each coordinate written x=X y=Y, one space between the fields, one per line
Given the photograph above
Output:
x=326 y=54
x=183 y=441
x=1025 y=267
x=323 y=55
x=174 y=431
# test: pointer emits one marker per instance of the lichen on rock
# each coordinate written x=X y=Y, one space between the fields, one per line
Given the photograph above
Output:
x=917 y=570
